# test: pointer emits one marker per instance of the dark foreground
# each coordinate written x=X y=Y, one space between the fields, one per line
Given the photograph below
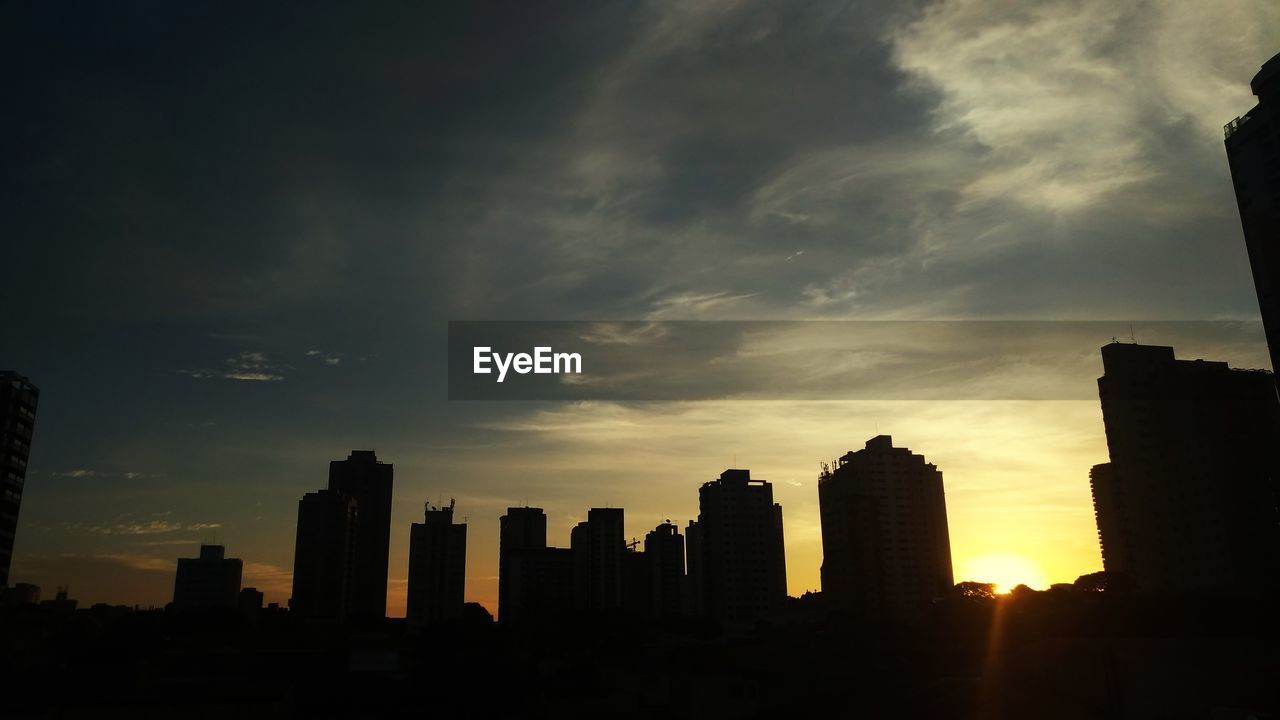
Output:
x=1064 y=653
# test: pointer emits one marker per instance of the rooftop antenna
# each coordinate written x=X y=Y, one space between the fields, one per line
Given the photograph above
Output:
x=1132 y=338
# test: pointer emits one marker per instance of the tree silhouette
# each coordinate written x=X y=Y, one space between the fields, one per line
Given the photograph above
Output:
x=976 y=590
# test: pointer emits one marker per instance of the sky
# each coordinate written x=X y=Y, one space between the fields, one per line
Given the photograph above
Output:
x=233 y=236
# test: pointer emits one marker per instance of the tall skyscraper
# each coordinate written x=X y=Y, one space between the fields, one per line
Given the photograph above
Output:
x=437 y=567
x=322 y=554
x=1189 y=499
x=1253 y=141
x=18 y=400
x=597 y=545
x=522 y=529
x=535 y=582
x=208 y=581
x=736 y=560
x=664 y=550
x=885 y=546
x=368 y=482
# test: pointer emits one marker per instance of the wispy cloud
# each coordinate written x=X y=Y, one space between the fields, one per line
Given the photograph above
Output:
x=249 y=365
x=157 y=525
x=96 y=473
x=138 y=562
x=1073 y=100
x=329 y=358
x=696 y=305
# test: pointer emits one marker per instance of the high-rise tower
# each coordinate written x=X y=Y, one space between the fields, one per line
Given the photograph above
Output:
x=1253 y=151
x=1189 y=499
x=369 y=482
x=322 y=554
x=598 y=545
x=437 y=567
x=885 y=545
x=18 y=400
x=737 y=565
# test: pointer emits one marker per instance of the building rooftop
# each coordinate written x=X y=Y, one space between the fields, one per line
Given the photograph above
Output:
x=1265 y=82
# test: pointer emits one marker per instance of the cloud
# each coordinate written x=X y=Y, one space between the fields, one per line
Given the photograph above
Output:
x=624 y=333
x=139 y=562
x=329 y=358
x=92 y=473
x=691 y=305
x=1074 y=101
x=250 y=366
x=124 y=526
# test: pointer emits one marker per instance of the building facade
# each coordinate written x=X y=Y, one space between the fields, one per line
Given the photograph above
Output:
x=522 y=531
x=737 y=565
x=18 y=401
x=437 y=567
x=1188 y=501
x=664 y=550
x=598 y=547
x=886 y=549
x=364 y=479
x=211 y=580
x=540 y=585
x=323 y=554
x=1253 y=152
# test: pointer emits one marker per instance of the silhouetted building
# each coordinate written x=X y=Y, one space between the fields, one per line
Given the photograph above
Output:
x=597 y=545
x=322 y=554
x=18 y=400
x=21 y=594
x=1112 y=521
x=208 y=581
x=437 y=567
x=1252 y=141
x=539 y=584
x=249 y=603
x=885 y=546
x=664 y=549
x=368 y=482
x=737 y=565
x=521 y=529
x=1189 y=499
x=693 y=600
x=637 y=582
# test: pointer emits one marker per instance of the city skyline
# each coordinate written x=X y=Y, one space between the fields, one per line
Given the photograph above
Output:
x=365 y=466
x=1003 y=570
x=205 y=324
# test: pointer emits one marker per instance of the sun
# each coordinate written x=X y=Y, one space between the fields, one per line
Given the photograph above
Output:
x=1006 y=571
